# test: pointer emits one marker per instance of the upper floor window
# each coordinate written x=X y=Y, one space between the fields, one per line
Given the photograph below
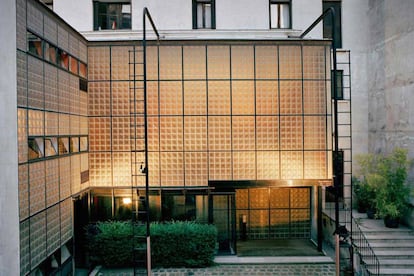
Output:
x=111 y=16
x=280 y=14
x=327 y=22
x=204 y=14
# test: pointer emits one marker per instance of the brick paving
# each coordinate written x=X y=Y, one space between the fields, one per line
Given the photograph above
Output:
x=235 y=269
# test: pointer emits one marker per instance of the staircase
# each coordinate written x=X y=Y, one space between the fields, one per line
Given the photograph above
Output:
x=394 y=248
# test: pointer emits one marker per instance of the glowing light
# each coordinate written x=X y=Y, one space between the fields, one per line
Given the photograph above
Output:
x=126 y=200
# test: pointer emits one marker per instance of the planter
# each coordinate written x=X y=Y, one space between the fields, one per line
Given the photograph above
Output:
x=391 y=222
x=371 y=213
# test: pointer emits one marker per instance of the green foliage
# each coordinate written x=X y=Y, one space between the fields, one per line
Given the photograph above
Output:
x=183 y=244
x=386 y=176
x=174 y=244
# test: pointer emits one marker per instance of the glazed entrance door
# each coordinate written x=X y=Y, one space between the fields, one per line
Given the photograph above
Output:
x=222 y=214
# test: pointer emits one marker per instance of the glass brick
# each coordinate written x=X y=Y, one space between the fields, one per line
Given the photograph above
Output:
x=171 y=133
x=52 y=181
x=243 y=133
x=218 y=60
x=195 y=98
x=315 y=134
x=37 y=239
x=314 y=62
x=119 y=60
x=267 y=97
x=195 y=133
x=22 y=134
x=171 y=98
x=314 y=97
x=266 y=62
x=196 y=171
x=172 y=169
x=290 y=97
x=194 y=62
x=218 y=97
x=98 y=63
x=291 y=165
x=219 y=133
x=242 y=98
x=290 y=62
x=23 y=192
x=35 y=86
x=291 y=132
x=267 y=132
x=37 y=187
x=243 y=165
x=242 y=62
x=267 y=165
x=170 y=63
x=316 y=164
x=53 y=229
x=220 y=167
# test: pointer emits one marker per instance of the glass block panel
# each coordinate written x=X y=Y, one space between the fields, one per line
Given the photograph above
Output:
x=259 y=224
x=22 y=134
x=242 y=98
x=266 y=62
x=21 y=79
x=64 y=177
x=121 y=166
x=243 y=165
x=53 y=229
x=195 y=133
x=243 y=133
x=99 y=99
x=290 y=64
x=300 y=223
x=267 y=132
x=64 y=124
x=154 y=169
x=218 y=60
x=171 y=98
x=279 y=198
x=195 y=98
x=83 y=126
x=100 y=167
x=64 y=91
x=63 y=37
x=219 y=133
x=300 y=198
x=119 y=61
x=21 y=27
x=316 y=164
x=279 y=224
x=120 y=98
x=242 y=199
x=153 y=134
x=170 y=62
x=152 y=98
x=218 y=97
x=83 y=103
x=37 y=239
x=290 y=97
x=121 y=133
x=98 y=63
x=291 y=133
x=34 y=18
x=152 y=62
x=291 y=165
x=74 y=124
x=66 y=220
x=23 y=192
x=314 y=97
x=99 y=134
x=25 y=247
x=75 y=173
x=267 y=165
x=315 y=132
x=194 y=62
x=51 y=86
x=51 y=124
x=220 y=166
x=172 y=169
x=259 y=198
x=196 y=171
x=52 y=181
x=267 y=97
x=314 y=62
x=84 y=157
x=50 y=28
x=242 y=62
x=37 y=186
x=73 y=45
x=35 y=83
x=171 y=133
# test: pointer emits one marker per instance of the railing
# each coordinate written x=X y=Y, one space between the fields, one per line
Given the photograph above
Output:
x=367 y=256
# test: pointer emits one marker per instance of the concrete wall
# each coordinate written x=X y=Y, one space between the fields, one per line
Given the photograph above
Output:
x=9 y=215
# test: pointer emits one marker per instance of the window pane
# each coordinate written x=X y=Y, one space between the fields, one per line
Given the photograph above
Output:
x=63 y=59
x=36 y=148
x=74 y=144
x=51 y=146
x=74 y=65
x=50 y=53
x=63 y=143
x=204 y=15
x=34 y=45
x=83 y=143
x=280 y=16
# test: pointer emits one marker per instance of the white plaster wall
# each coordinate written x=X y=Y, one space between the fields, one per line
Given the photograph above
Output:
x=243 y=14
x=355 y=36
x=304 y=13
x=9 y=215
x=77 y=13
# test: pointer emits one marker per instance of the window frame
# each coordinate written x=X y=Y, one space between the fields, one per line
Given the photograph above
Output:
x=213 y=14
x=327 y=33
x=97 y=22
x=278 y=2
x=339 y=84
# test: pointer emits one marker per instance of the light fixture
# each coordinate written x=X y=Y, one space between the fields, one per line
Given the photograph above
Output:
x=126 y=200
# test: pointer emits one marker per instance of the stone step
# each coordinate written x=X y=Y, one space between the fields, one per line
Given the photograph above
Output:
x=397 y=263
x=390 y=237
x=395 y=254
x=392 y=245
x=396 y=271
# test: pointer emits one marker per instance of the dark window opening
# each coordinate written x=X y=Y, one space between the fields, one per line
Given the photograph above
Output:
x=63 y=59
x=83 y=85
x=112 y=16
x=280 y=14
x=339 y=85
x=36 y=148
x=327 y=22
x=34 y=44
x=204 y=14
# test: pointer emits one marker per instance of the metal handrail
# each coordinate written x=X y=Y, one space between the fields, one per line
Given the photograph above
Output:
x=368 y=258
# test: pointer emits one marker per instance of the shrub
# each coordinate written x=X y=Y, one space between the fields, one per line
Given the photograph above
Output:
x=174 y=244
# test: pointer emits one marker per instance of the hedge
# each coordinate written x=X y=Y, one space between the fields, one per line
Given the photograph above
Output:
x=173 y=244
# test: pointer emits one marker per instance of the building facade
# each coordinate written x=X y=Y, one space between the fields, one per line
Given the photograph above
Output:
x=240 y=117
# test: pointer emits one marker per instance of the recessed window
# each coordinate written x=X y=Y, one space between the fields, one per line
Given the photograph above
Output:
x=204 y=14
x=74 y=144
x=83 y=143
x=51 y=146
x=63 y=144
x=74 y=65
x=339 y=85
x=34 y=44
x=327 y=22
x=83 y=69
x=83 y=85
x=112 y=16
x=36 y=148
x=280 y=14
x=63 y=59
x=50 y=53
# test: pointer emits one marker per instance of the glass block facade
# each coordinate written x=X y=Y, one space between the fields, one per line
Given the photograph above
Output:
x=228 y=111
